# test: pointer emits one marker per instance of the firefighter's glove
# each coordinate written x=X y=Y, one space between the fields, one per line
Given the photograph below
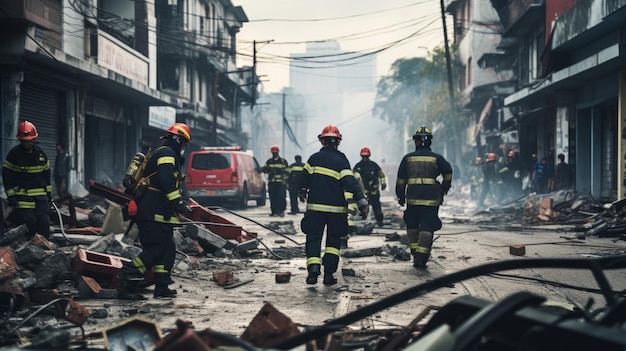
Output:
x=383 y=186
x=364 y=207
x=182 y=207
x=12 y=201
x=401 y=201
x=302 y=195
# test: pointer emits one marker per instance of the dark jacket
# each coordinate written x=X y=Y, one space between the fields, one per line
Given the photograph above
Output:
x=417 y=175
x=295 y=170
x=327 y=175
x=158 y=201
x=276 y=169
x=61 y=166
x=372 y=176
x=26 y=175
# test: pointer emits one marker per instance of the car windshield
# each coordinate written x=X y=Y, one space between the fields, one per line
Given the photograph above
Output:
x=210 y=161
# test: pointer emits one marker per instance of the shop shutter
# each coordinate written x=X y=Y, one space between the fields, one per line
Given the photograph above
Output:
x=42 y=106
x=105 y=151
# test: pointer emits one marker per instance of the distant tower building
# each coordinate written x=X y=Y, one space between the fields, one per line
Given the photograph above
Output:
x=339 y=88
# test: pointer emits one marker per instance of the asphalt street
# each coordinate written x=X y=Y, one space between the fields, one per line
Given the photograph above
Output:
x=370 y=278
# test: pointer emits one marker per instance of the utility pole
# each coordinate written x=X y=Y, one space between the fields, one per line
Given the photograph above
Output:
x=456 y=142
x=283 y=143
x=254 y=87
x=216 y=81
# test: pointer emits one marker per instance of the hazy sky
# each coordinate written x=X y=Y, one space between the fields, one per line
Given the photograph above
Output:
x=396 y=28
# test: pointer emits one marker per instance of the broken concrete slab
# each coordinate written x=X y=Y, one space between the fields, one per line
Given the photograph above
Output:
x=207 y=239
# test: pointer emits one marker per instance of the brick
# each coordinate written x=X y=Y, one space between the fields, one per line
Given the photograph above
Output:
x=77 y=313
x=87 y=287
x=517 y=250
x=223 y=277
x=42 y=242
x=102 y=267
x=8 y=266
x=283 y=277
x=269 y=327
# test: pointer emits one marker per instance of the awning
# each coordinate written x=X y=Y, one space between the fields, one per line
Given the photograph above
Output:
x=483 y=116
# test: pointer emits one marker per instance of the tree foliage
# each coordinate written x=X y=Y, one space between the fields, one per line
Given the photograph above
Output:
x=416 y=93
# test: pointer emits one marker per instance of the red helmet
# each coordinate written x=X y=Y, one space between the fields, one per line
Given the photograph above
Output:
x=366 y=152
x=491 y=157
x=181 y=129
x=511 y=153
x=330 y=131
x=479 y=160
x=26 y=131
x=274 y=148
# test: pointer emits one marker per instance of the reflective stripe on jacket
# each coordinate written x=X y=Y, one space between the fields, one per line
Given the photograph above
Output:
x=417 y=178
x=327 y=175
x=26 y=176
x=157 y=202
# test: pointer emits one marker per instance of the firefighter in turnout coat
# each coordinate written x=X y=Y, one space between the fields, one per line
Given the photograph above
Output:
x=277 y=172
x=374 y=180
x=418 y=188
x=26 y=176
x=327 y=175
x=156 y=215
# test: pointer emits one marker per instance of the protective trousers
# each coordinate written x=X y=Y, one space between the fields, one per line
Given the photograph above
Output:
x=159 y=252
x=312 y=225
x=278 y=197
x=374 y=200
x=293 y=200
x=38 y=219
x=421 y=223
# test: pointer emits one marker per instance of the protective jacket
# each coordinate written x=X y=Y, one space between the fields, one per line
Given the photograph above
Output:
x=158 y=201
x=276 y=169
x=372 y=176
x=417 y=175
x=295 y=171
x=326 y=174
x=26 y=176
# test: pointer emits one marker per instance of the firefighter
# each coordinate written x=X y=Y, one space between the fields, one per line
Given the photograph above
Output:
x=295 y=176
x=26 y=176
x=156 y=214
x=352 y=210
x=476 y=177
x=491 y=180
x=327 y=175
x=373 y=177
x=418 y=188
x=276 y=169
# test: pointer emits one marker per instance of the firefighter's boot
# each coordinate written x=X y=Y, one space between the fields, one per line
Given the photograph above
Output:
x=314 y=272
x=329 y=278
x=130 y=277
x=163 y=292
x=422 y=251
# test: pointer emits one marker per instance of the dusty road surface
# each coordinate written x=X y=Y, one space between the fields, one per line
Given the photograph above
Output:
x=365 y=279
x=375 y=276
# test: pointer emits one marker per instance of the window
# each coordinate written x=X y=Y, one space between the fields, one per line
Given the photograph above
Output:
x=210 y=161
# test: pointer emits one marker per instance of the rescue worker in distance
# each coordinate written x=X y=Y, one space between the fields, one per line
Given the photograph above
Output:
x=276 y=169
x=26 y=176
x=157 y=209
x=327 y=175
x=352 y=210
x=418 y=188
x=373 y=177
x=295 y=176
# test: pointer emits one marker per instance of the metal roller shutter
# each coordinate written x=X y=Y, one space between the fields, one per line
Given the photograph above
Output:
x=42 y=106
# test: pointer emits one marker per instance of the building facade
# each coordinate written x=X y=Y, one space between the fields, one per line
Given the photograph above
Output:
x=90 y=75
x=567 y=59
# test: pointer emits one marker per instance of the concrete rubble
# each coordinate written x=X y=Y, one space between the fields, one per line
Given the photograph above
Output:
x=46 y=279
